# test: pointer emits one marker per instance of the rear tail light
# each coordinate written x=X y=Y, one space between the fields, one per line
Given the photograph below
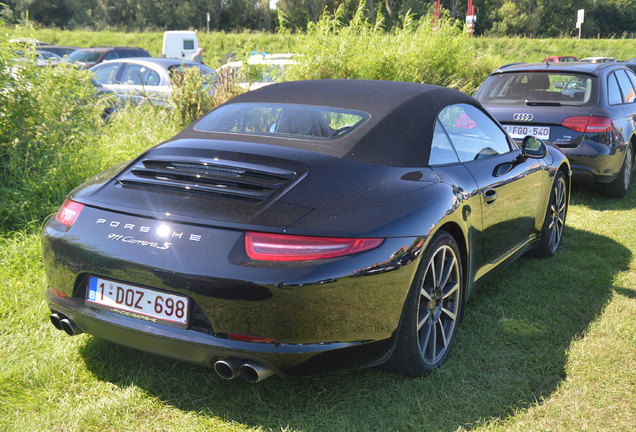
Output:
x=69 y=211
x=282 y=247
x=588 y=124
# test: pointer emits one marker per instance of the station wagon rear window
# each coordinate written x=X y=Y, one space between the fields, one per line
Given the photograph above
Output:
x=282 y=120
x=538 y=88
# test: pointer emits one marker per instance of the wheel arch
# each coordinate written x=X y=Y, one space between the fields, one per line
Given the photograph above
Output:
x=565 y=169
x=455 y=230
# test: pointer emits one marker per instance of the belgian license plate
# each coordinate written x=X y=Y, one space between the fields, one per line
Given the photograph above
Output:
x=141 y=302
x=522 y=131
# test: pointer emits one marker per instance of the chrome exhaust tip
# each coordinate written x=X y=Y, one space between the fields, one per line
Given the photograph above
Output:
x=69 y=327
x=56 y=320
x=254 y=372
x=228 y=368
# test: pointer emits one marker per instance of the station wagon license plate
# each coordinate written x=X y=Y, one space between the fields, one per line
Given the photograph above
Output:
x=522 y=131
x=142 y=302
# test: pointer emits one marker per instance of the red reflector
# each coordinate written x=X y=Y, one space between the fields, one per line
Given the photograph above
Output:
x=588 y=124
x=69 y=211
x=283 y=247
x=57 y=292
x=255 y=339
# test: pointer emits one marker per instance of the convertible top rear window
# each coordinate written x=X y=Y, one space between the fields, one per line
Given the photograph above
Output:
x=530 y=87
x=305 y=122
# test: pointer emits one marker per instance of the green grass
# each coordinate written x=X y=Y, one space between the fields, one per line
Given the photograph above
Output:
x=548 y=345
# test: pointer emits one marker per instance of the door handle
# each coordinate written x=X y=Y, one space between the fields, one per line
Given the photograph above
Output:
x=490 y=195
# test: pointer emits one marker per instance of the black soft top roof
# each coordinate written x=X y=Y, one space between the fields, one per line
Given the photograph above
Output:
x=398 y=132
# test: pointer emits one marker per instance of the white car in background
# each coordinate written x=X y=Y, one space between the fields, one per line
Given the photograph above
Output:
x=598 y=60
x=258 y=71
x=136 y=80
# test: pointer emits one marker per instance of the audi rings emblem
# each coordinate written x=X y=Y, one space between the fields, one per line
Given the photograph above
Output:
x=522 y=117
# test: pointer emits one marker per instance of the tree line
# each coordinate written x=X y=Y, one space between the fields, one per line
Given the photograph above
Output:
x=604 y=18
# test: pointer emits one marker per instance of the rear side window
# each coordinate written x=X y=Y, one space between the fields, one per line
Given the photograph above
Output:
x=112 y=55
x=473 y=134
x=632 y=77
x=613 y=91
x=282 y=120
x=106 y=73
x=84 y=56
x=518 y=88
x=188 y=44
x=627 y=90
x=134 y=74
x=442 y=151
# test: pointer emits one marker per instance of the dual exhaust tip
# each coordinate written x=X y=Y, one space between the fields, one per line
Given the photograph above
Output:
x=251 y=372
x=62 y=322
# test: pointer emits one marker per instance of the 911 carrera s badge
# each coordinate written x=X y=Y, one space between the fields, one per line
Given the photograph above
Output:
x=132 y=240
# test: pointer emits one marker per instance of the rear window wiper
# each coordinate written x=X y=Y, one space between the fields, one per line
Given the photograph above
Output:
x=542 y=103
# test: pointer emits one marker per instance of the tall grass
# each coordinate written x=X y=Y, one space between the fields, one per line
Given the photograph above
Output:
x=47 y=116
x=420 y=51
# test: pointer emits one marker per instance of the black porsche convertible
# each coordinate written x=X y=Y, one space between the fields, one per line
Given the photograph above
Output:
x=305 y=228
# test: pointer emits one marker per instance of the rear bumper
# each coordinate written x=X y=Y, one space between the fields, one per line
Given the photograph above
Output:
x=593 y=162
x=204 y=349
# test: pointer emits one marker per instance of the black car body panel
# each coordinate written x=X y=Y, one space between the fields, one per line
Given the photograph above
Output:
x=174 y=221
x=595 y=156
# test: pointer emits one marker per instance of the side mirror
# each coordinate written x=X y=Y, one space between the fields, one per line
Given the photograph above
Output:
x=559 y=85
x=533 y=148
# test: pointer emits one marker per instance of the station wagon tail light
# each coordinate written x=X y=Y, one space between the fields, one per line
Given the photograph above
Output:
x=69 y=211
x=588 y=124
x=283 y=247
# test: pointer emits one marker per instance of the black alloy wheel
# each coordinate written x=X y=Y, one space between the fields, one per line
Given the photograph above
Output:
x=433 y=310
x=620 y=186
x=554 y=222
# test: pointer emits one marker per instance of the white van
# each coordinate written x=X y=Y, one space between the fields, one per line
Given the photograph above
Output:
x=179 y=44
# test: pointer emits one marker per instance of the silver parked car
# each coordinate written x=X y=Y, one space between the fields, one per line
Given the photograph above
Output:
x=135 y=80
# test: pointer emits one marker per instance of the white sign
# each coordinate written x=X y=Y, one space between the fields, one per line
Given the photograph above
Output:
x=580 y=15
x=471 y=18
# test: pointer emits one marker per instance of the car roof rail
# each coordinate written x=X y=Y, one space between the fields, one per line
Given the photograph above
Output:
x=607 y=64
x=115 y=46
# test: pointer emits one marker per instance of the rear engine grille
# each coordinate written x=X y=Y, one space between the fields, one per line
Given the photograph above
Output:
x=224 y=178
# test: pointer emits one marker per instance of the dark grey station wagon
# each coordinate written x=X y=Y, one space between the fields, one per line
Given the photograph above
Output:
x=587 y=110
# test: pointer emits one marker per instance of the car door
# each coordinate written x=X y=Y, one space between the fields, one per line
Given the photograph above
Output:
x=511 y=189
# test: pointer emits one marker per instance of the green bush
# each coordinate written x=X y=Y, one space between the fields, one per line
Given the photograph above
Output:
x=47 y=116
x=53 y=135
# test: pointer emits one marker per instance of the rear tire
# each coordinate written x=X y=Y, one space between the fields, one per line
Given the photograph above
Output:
x=620 y=186
x=432 y=311
x=554 y=222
